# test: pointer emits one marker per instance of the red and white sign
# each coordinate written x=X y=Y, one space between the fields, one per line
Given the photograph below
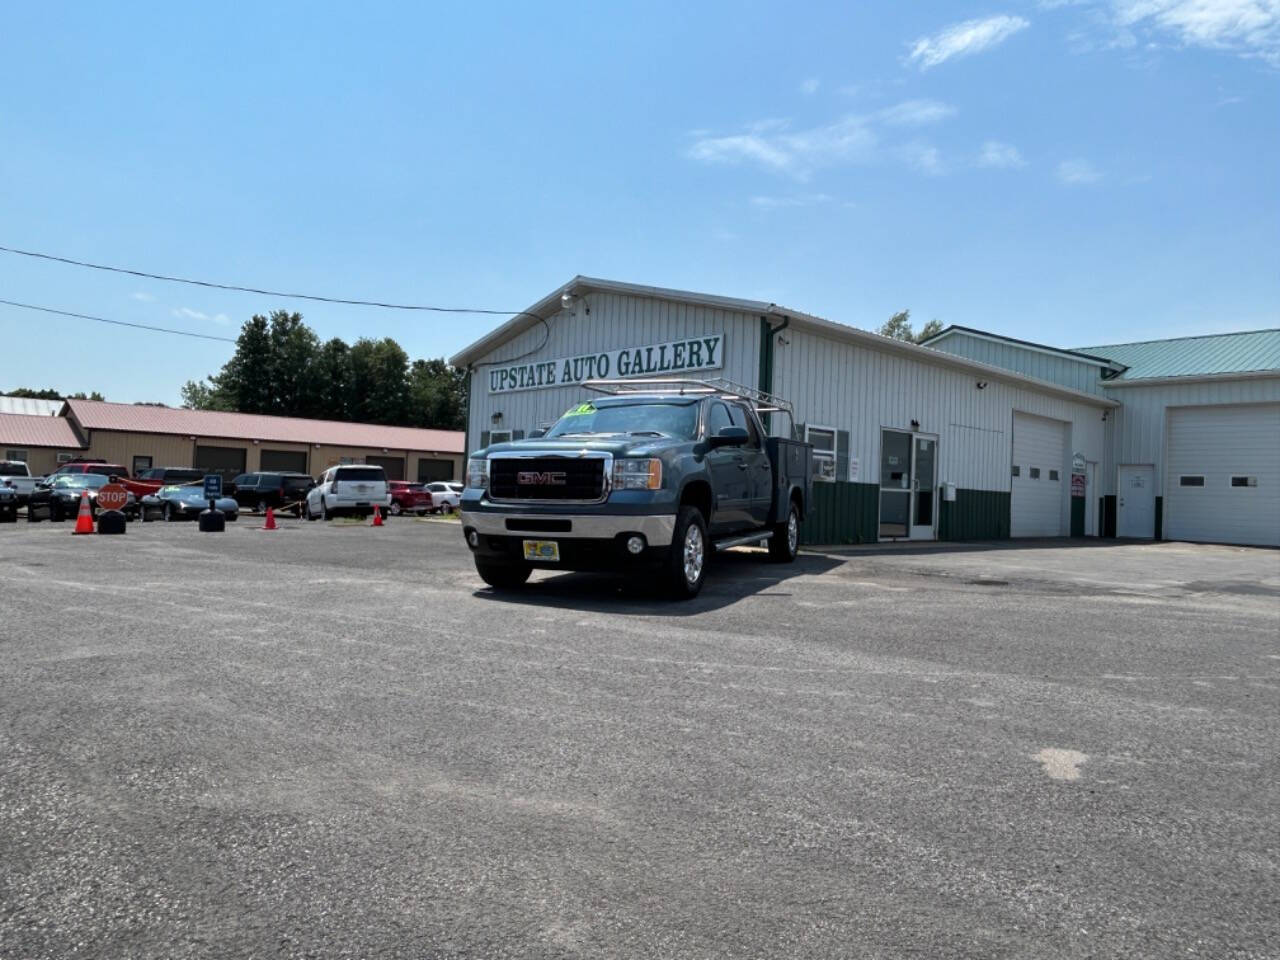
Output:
x=112 y=497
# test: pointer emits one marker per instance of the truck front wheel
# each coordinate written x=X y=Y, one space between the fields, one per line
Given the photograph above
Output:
x=687 y=559
x=785 y=542
x=503 y=576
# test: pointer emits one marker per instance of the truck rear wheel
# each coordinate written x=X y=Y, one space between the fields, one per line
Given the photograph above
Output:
x=687 y=559
x=503 y=576
x=785 y=542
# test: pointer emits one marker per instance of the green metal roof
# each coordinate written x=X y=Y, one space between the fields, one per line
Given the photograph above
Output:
x=1218 y=354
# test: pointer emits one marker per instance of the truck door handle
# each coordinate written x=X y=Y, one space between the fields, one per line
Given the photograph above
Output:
x=741 y=465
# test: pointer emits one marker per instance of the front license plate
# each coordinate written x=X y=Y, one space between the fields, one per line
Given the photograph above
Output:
x=544 y=551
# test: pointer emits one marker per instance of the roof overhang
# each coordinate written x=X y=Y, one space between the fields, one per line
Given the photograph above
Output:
x=549 y=305
x=1076 y=355
x=1193 y=378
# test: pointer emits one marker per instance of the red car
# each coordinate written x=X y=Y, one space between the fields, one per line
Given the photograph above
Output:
x=408 y=497
x=100 y=467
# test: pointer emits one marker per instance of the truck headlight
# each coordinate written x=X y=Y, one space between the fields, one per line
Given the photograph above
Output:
x=637 y=474
x=478 y=474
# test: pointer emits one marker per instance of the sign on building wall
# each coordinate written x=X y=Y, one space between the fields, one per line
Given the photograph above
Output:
x=674 y=358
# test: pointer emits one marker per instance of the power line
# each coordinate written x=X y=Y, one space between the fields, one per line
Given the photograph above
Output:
x=243 y=289
x=118 y=323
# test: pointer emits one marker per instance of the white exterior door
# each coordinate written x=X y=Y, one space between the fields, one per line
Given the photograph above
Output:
x=1136 y=501
x=1222 y=477
x=1039 y=484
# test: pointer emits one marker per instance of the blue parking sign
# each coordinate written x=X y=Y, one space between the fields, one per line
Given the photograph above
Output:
x=212 y=486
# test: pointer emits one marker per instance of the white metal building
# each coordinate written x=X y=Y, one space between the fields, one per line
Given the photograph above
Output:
x=910 y=443
x=1193 y=446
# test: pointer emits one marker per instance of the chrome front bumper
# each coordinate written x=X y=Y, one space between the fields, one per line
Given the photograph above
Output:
x=658 y=530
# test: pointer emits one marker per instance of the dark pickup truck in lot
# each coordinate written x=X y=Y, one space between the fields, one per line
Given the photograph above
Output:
x=653 y=475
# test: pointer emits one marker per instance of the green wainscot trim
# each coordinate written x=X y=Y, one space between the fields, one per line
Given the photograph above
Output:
x=842 y=513
x=975 y=515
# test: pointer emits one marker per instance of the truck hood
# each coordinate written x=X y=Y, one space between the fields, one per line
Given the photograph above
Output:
x=620 y=445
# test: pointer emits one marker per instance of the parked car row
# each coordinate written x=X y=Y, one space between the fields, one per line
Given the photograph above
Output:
x=177 y=492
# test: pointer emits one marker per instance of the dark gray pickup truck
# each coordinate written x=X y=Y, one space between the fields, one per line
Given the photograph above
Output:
x=653 y=477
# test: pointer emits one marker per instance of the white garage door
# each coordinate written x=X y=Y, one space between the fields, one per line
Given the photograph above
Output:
x=1039 y=484
x=1222 y=482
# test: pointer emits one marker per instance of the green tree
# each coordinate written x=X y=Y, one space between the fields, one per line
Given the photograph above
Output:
x=294 y=352
x=379 y=382
x=333 y=378
x=51 y=394
x=245 y=380
x=898 y=327
x=201 y=395
x=930 y=329
x=437 y=395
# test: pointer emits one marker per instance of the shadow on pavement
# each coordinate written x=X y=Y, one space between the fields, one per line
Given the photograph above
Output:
x=901 y=548
x=732 y=576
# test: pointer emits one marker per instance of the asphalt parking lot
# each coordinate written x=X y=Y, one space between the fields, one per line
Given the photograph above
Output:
x=332 y=741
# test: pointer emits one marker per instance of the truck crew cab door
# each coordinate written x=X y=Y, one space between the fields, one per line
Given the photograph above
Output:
x=759 y=470
x=730 y=478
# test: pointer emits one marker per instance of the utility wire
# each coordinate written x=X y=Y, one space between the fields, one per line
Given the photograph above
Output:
x=118 y=323
x=243 y=289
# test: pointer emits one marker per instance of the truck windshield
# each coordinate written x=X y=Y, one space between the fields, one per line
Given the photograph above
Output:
x=676 y=419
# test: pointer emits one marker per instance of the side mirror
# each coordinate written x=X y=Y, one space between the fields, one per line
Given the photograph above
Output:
x=729 y=437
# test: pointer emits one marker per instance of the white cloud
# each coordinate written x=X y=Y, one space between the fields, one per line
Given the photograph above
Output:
x=142 y=297
x=1077 y=172
x=793 y=200
x=924 y=157
x=1249 y=28
x=963 y=39
x=915 y=113
x=186 y=313
x=810 y=86
x=853 y=138
x=1003 y=156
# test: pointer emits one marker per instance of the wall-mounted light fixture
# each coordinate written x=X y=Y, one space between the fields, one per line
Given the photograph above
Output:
x=256 y=442
x=981 y=384
x=497 y=417
x=915 y=424
x=1104 y=415
x=570 y=300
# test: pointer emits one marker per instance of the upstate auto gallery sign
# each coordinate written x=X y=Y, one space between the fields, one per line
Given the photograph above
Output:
x=676 y=357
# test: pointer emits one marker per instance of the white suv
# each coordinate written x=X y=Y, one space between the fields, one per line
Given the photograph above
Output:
x=353 y=489
x=445 y=497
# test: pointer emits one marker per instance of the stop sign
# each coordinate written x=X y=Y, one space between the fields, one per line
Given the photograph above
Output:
x=112 y=497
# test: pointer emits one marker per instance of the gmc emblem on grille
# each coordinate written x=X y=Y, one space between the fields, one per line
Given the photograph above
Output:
x=542 y=478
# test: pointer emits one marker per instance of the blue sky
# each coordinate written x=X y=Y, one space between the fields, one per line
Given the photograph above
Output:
x=1072 y=172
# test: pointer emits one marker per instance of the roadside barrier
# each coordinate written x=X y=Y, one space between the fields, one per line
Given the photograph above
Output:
x=271 y=521
x=377 y=516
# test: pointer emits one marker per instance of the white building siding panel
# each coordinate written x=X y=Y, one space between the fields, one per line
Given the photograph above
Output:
x=615 y=321
x=1076 y=374
x=863 y=390
x=1212 y=445
x=1139 y=429
x=1039 y=492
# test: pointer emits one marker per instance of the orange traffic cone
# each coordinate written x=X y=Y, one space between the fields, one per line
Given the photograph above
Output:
x=377 y=516
x=271 y=520
x=84 y=519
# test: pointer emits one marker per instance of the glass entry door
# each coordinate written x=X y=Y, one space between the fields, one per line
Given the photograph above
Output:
x=908 y=485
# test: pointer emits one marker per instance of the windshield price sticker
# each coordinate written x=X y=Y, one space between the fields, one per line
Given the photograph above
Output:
x=678 y=356
x=582 y=410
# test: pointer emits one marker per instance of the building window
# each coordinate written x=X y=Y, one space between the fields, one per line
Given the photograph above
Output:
x=1189 y=481
x=66 y=457
x=140 y=464
x=824 y=452
x=1017 y=470
x=1053 y=474
x=1244 y=481
x=16 y=455
x=500 y=436
x=1035 y=473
